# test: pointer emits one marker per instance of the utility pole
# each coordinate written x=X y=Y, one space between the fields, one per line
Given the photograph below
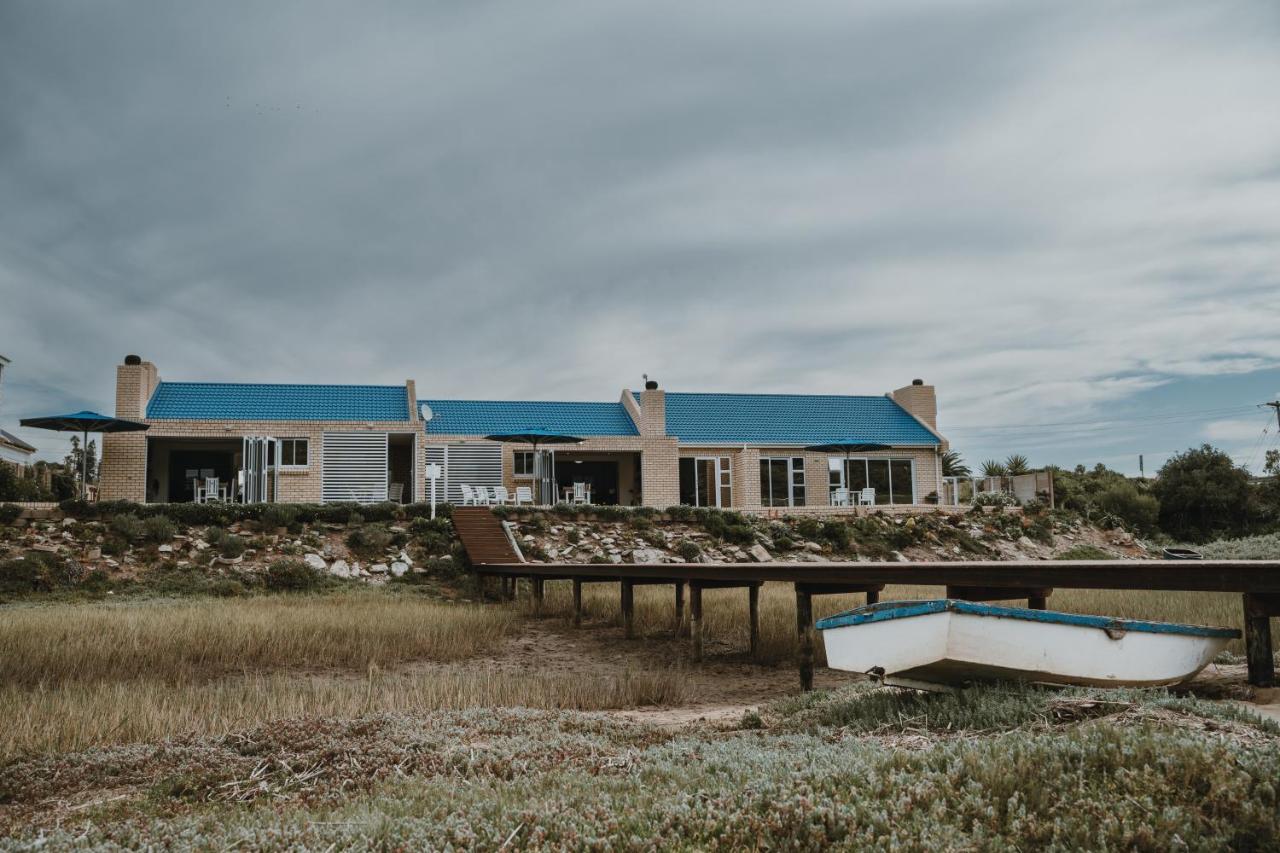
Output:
x=1142 y=471
x=1275 y=404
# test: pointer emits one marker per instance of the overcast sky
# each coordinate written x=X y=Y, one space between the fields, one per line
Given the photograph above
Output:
x=1060 y=214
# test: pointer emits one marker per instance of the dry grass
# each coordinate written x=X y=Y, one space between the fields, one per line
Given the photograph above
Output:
x=180 y=642
x=725 y=610
x=76 y=716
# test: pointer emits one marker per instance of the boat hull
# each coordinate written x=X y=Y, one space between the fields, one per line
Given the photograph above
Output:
x=958 y=642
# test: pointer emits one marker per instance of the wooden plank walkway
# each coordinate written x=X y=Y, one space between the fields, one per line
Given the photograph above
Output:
x=1258 y=581
x=483 y=535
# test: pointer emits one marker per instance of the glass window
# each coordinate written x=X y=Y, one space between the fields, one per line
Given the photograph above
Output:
x=522 y=463
x=293 y=453
x=900 y=474
x=688 y=483
x=878 y=479
x=858 y=478
x=835 y=473
x=726 y=482
x=797 y=481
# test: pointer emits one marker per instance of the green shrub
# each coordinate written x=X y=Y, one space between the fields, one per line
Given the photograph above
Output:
x=22 y=576
x=1138 y=510
x=688 y=550
x=369 y=540
x=158 y=529
x=292 y=576
x=279 y=515
x=228 y=588
x=1204 y=495
x=128 y=527
x=231 y=546
x=739 y=534
x=838 y=534
x=1000 y=499
x=810 y=528
x=9 y=513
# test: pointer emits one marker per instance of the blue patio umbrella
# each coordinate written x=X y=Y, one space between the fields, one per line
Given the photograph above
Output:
x=84 y=422
x=534 y=437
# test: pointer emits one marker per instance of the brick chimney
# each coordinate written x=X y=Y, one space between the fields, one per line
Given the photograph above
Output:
x=920 y=400
x=653 y=409
x=136 y=381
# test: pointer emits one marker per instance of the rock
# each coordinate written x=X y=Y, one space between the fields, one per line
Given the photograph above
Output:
x=552 y=553
x=68 y=522
x=1025 y=542
x=201 y=545
x=405 y=558
x=646 y=555
x=812 y=547
x=340 y=569
x=760 y=554
x=615 y=558
x=379 y=568
x=93 y=554
x=315 y=561
x=165 y=549
x=898 y=557
x=399 y=568
x=112 y=564
x=528 y=537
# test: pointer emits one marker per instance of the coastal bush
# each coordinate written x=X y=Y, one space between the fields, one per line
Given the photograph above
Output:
x=1203 y=496
x=1138 y=510
x=9 y=513
x=293 y=576
x=128 y=527
x=688 y=550
x=369 y=540
x=158 y=529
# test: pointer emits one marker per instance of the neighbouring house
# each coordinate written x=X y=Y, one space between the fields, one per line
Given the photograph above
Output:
x=652 y=447
x=13 y=450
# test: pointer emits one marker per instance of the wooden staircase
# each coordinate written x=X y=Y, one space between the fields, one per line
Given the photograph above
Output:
x=483 y=535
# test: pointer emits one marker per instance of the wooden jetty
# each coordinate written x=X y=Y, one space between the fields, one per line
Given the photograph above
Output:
x=1258 y=582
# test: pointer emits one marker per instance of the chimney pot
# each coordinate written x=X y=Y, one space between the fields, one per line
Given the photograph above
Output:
x=133 y=359
x=651 y=385
x=917 y=381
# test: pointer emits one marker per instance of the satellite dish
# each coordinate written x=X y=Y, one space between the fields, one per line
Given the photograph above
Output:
x=425 y=411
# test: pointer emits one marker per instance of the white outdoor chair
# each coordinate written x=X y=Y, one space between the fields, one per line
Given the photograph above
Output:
x=468 y=496
x=524 y=495
x=501 y=496
x=211 y=490
x=867 y=497
x=395 y=492
x=581 y=495
x=840 y=496
x=483 y=498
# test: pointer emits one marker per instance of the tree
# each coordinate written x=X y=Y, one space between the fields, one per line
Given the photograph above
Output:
x=993 y=468
x=953 y=465
x=1204 y=495
x=1017 y=464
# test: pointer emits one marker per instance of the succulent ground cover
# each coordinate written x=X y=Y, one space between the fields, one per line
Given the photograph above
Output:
x=993 y=768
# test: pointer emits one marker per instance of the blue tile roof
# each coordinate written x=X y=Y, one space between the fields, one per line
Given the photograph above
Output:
x=490 y=417
x=259 y=402
x=799 y=419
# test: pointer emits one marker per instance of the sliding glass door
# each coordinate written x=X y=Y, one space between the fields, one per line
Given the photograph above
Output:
x=706 y=481
x=893 y=479
x=782 y=481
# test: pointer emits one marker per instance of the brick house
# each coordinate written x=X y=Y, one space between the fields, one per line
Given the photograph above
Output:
x=652 y=448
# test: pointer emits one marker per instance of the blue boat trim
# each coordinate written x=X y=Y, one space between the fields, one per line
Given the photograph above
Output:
x=887 y=610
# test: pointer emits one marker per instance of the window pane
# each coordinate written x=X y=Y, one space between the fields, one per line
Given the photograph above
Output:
x=766 y=497
x=286 y=452
x=901 y=471
x=835 y=477
x=857 y=475
x=688 y=480
x=878 y=478
x=300 y=452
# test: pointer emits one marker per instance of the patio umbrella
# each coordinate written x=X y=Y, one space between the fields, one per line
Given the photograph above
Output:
x=846 y=447
x=534 y=437
x=84 y=422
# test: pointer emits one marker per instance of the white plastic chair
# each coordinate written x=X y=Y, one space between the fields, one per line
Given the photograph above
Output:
x=483 y=497
x=524 y=495
x=468 y=496
x=867 y=497
x=501 y=496
x=840 y=496
x=395 y=491
x=211 y=490
x=580 y=494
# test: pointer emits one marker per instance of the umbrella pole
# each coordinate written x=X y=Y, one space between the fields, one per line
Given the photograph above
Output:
x=84 y=468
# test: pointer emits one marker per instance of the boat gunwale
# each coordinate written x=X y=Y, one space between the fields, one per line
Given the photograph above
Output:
x=887 y=610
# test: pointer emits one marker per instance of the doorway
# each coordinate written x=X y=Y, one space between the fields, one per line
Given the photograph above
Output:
x=706 y=481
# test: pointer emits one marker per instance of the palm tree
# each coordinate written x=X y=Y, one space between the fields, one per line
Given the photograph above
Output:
x=993 y=468
x=953 y=465
x=1017 y=464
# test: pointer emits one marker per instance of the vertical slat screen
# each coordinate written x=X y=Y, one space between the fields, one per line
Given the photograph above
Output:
x=355 y=467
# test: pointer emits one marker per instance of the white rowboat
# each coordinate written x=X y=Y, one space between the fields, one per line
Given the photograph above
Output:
x=931 y=645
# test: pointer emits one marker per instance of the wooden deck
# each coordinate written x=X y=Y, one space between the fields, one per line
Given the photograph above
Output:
x=1258 y=582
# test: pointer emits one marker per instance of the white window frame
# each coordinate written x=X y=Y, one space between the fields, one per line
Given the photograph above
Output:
x=293 y=466
x=837 y=463
x=515 y=469
x=795 y=466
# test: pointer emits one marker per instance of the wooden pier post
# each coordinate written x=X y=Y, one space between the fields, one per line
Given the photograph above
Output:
x=1037 y=602
x=753 y=607
x=628 y=609
x=695 y=618
x=1258 y=610
x=873 y=596
x=679 y=608
x=577 y=603
x=537 y=584
x=804 y=633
